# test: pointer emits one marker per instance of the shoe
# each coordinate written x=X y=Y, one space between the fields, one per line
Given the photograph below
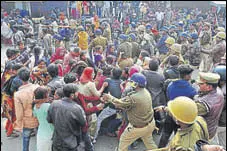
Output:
x=13 y=135
x=94 y=141
x=133 y=146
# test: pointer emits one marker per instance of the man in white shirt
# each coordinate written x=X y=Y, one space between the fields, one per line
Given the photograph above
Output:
x=18 y=36
x=106 y=9
x=159 y=17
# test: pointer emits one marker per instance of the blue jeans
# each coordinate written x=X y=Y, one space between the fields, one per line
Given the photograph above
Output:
x=26 y=138
x=159 y=24
x=113 y=125
x=99 y=12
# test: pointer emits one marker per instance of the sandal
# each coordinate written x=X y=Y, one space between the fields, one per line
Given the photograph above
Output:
x=111 y=134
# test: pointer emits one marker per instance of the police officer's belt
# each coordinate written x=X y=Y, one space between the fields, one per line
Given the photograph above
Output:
x=144 y=125
x=123 y=59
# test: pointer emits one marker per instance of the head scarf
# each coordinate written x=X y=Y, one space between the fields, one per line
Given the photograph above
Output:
x=59 y=54
x=133 y=70
x=86 y=75
x=98 y=58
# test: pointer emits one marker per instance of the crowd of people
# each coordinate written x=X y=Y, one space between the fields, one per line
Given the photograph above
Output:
x=126 y=72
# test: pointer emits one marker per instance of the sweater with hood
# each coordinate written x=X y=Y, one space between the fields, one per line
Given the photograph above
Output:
x=180 y=88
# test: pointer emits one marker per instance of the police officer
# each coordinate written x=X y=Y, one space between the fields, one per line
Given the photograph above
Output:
x=138 y=107
x=169 y=42
x=218 y=29
x=175 y=49
x=135 y=47
x=163 y=49
x=210 y=101
x=106 y=31
x=180 y=27
x=99 y=40
x=124 y=52
x=205 y=40
x=171 y=72
x=184 y=42
x=193 y=53
x=148 y=42
x=132 y=29
x=219 y=48
x=140 y=35
x=192 y=29
x=192 y=127
x=172 y=32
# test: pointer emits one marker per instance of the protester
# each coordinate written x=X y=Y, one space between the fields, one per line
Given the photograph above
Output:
x=66 y=136
x=115 y=90
x=23 y=98
x=9 y=87
x=45 y=130
x=83 y=45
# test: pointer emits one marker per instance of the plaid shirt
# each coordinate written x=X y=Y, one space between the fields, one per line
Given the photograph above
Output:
x=22 y=58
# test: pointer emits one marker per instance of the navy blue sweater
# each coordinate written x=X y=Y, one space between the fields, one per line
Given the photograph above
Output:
x=180 y=88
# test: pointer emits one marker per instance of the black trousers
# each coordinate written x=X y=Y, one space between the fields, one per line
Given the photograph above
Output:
x=168 y=127
x=58 y=148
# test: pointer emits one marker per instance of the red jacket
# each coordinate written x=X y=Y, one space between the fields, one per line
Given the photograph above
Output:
x=60 y=70
x=82 y=101
x=155 y=32
x=58 y=55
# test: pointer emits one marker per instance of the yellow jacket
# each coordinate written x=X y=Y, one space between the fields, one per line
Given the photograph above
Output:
x=83 y=40
x=185 y=140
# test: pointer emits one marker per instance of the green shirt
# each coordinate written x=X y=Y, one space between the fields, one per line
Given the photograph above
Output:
x=45 y=130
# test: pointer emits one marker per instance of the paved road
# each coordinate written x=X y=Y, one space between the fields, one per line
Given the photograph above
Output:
x=104 y=143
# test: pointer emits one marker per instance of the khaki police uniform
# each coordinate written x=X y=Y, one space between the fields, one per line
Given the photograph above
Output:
x=186 y=139
x=206 y=59
x=125 y=59
x=177 y=52
x=193 y=54
x=138 y=107
x=216 y=52
x=107 y=34
x=100 y=40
